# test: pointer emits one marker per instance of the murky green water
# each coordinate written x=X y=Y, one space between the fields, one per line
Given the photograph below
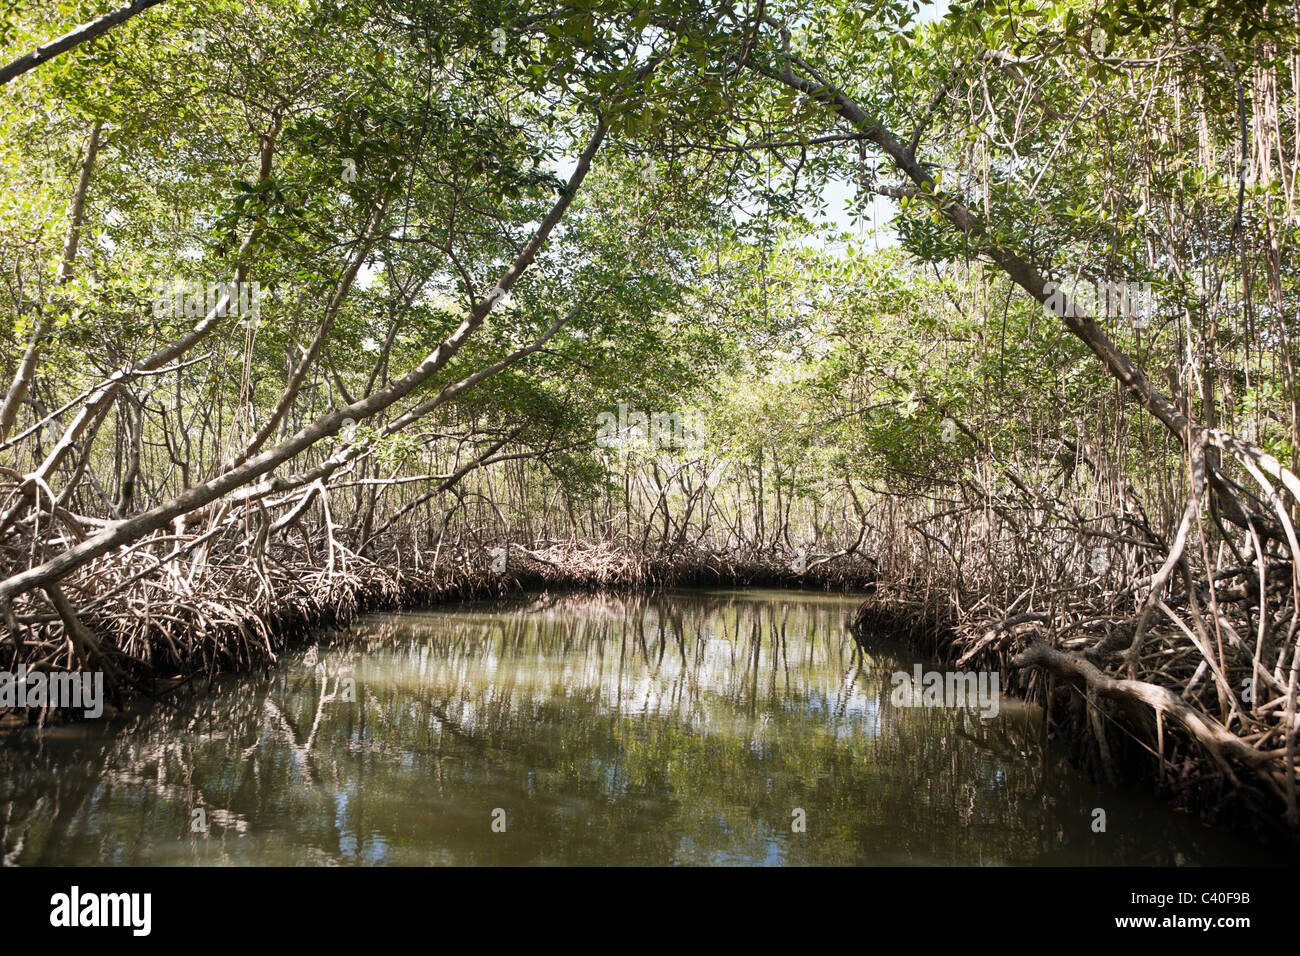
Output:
x=686 y=728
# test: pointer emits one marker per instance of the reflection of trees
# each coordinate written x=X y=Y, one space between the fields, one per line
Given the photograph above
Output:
x=662 y=728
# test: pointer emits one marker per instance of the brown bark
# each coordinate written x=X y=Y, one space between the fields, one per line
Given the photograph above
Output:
x=125 y=532
x=27 y=367
x=74 y=38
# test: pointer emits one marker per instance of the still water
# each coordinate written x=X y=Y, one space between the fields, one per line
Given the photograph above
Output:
x=681 y=728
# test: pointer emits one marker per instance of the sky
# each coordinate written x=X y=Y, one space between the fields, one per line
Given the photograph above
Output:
x=874 y=231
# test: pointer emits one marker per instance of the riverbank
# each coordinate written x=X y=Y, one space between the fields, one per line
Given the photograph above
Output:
x=150 y=629
x=677 y=727
x=1124 y=731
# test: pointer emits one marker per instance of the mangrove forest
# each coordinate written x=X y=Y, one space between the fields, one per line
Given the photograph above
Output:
x=822 y=432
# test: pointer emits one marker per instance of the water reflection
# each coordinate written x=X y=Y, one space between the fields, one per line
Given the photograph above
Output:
x=679 y=728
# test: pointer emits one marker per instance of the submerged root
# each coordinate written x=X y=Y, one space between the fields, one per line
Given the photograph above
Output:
x=1202 y=707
